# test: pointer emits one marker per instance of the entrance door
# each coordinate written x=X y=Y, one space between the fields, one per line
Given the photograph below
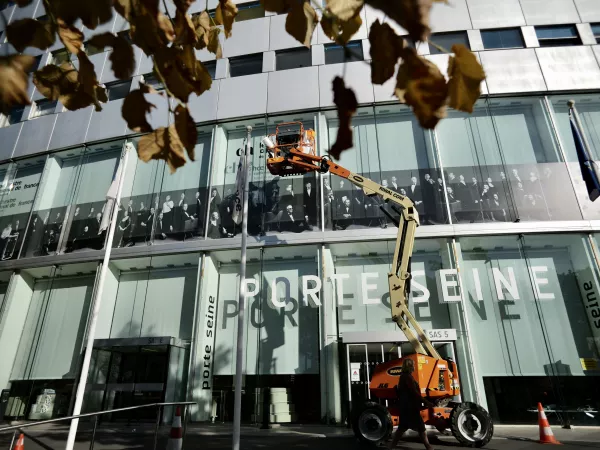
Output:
x=358 y=373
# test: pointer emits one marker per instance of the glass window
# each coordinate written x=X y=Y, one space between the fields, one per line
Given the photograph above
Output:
x=15 y=115
x=293 y=59
x=161 y=207
x=60 y=56
x=410 y=170
x=502 y=38
x=245 y=65
x=91 y=49
x=557 y=35
x=527 y=312
x=447 y=40
x=36 y=64
x=43 y=108
x=152 y=80
x=118 y=90
x=596 y=31
x=52 y=339
x=20 y=181
x=211 y=68
x=588 y=107
x=67 y=215
x=539 y=180
x=282 y=348
x=336 y=54
x=249 y=11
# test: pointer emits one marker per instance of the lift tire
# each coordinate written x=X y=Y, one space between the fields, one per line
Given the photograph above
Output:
x=471 y=425
x=372 y=424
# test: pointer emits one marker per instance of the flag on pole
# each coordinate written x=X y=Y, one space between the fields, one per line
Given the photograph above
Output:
x=238 y=199
x=111 y=198
x=589 y=169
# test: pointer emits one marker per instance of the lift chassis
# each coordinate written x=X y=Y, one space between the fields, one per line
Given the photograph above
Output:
x=291 y=152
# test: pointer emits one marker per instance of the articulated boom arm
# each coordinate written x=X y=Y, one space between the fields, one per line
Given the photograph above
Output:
x=293 y=161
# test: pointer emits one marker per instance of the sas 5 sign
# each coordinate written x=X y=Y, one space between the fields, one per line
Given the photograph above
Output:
x=442 y=335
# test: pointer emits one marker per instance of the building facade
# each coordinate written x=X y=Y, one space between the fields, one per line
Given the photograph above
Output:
x=506 y=262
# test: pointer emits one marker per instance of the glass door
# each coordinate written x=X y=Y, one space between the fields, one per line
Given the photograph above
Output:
x=358 y=373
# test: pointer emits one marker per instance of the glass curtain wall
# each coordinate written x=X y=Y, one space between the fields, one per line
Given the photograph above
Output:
x=68 y=211
x=526 y=304
x=391 y=149
x=43 y=375
x=141 y=352
x=537 y=175
x=20 y=181
x=588 y=107
x=282 y=335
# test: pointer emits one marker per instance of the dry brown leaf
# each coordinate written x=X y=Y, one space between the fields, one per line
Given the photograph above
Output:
x=276 y=6
x=25 y=33
x=346 y=104
x=345 y=10
x=301 y=22
x=466 y=75
x=89 y=82
x=420 y=84
x=163 y=143
x=21 y=3
x=14 y=81
x=53 y=81
x=214 y=45
x=184 y=29
x=186 y=129
x=165 y=24
x=386 y=48
x=62 y=83
x=202 y=28
x=183 y=5
x=134 y=110
x=92 y=13
x=182 y=72
x=412 y=15
x=341 y=31
x=225 y=15
x=122 y=57
x=71 y=37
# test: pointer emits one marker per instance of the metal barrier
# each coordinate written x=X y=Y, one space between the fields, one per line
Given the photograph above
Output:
x=18 y=428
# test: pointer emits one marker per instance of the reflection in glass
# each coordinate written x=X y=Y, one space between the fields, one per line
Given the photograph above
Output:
x=20 y=181
x=528 y=311
x=276 y=204
x=588 y=107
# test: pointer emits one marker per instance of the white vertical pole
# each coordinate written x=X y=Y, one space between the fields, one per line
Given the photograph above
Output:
x=96 y=305
x=239 y=360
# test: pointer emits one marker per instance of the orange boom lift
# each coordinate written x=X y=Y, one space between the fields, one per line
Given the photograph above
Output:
x=291 y=151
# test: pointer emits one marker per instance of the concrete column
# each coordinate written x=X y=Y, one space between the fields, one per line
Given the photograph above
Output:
x=202 y=353
x=331 y=396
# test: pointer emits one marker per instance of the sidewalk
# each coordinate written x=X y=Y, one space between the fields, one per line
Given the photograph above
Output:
x=512 y=432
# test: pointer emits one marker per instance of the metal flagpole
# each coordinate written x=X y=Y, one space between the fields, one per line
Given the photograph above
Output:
x=96 y=304
x=239 y=360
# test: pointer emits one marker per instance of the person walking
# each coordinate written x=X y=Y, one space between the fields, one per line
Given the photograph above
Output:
x=409 y=405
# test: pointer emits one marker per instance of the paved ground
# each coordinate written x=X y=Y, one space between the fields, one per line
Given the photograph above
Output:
x=305 y=437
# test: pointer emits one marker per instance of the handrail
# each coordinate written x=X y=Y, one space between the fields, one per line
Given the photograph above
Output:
x=108 y=411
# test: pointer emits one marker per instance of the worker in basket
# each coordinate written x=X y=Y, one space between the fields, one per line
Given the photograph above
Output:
x=409 y=404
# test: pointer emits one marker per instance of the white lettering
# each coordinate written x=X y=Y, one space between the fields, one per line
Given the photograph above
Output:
x=416 y=285
x=368 y=287
x=537 y=281
x=275 y=303
x=254 y=291
x=447 y=284
x=510 y=285
x=310 y=294
x=477 y=282
x=339 y=278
